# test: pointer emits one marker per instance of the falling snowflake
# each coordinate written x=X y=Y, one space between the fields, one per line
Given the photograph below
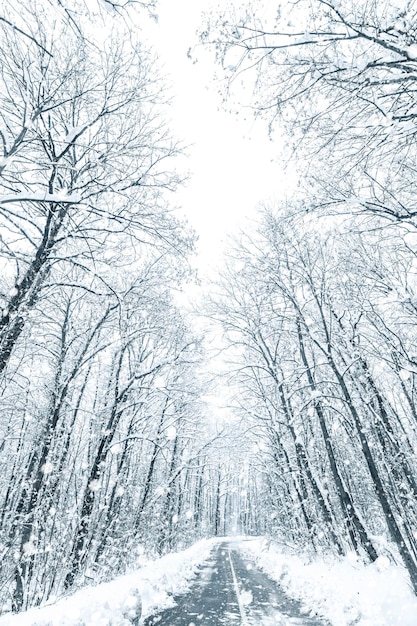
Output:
x=171 y=433
x=47 y=468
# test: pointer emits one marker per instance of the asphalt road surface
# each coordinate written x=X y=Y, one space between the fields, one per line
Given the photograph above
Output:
x=230 y=591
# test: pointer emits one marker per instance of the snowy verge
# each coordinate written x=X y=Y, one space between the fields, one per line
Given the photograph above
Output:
x=344 y=591
x=114 y=602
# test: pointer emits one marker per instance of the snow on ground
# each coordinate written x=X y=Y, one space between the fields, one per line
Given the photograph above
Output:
x=115 y=602
x=346 y=592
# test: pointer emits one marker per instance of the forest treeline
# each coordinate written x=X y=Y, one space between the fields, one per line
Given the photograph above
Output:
x=319 y=298
x=103 y=441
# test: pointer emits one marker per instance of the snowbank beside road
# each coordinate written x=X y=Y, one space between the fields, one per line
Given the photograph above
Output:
x=346 y=592
x=115 y=602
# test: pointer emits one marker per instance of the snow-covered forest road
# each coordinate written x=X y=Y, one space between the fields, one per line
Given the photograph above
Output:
x=232 y=581
x=158 y=395
x=230 y=590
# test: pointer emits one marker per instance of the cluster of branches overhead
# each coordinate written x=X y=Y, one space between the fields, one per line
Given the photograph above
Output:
x=73 y=12
x=342 y=81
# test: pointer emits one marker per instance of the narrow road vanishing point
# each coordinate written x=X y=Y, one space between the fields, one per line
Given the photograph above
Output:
x=230 y=591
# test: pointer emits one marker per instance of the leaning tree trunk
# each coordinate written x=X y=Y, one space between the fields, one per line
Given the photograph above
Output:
x=382 y=495
x=355 y=527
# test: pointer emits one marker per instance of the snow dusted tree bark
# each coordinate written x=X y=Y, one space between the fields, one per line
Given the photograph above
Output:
x=111 y=385
x=120 y=393
x=289 y=320
x=89 y=254
x=357 y=532
x=40 y=466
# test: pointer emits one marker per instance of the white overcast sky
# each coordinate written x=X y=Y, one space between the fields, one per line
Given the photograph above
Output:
x=231 y=160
